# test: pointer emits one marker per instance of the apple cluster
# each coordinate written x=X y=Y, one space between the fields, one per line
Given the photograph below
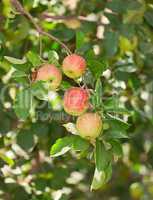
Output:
x=76 y=99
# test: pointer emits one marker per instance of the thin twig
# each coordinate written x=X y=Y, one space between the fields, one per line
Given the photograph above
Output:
x=57 y=17
x=69 y=17
x=57 y=40
x=40 y=45
x=22 y=11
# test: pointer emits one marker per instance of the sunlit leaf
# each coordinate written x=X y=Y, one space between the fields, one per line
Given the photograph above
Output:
x=53 y=57
x=101 y=178
x=63 y=145
x=16 y=60
x=7 y=159
x=34 y=59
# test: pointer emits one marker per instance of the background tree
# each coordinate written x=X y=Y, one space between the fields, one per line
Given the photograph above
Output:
x=42 y=154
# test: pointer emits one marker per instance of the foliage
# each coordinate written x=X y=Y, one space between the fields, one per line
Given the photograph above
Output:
x=116 y=39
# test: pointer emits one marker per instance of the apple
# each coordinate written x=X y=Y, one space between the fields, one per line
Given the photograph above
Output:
x=74 y=66
x=76 y=101
x=89 y=125
x=49 y=72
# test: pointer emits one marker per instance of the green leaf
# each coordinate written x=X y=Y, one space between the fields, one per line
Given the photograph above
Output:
x=20 y=77
x=116 y=134
x=102 y=156
x=38 y=90
x=117 y=123
x=83 y=49
x=97 y=67
x=34 y=59
x=39 y=130
x=120 y=6
x=98 y=180
x=116 y=147
x=112 y=104
x=15 y=60
x=18 y=74
x=21 y=33
x=71 y=127
x=101 y=177
x=98 y=88
x=23 y=67
x=55 y=101
x=53 y=57
x=63 y=145
x=108 y=173
x=90 y=55
x=80 y=144
x=110 y=43
x=98 y=91
x=25 y=140
x=7 y=159
x=80 y=39
x=65 y=85
x=118 y=128
x=149 y=17
x=96 y=97
x=88 y=79
x=23 y=103
x=93 y=99
x=117 y=110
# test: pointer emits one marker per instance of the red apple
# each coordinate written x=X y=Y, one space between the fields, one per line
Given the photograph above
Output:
x=89 y=125
x=76 y=101
x=49 y=72
x=74 y=66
